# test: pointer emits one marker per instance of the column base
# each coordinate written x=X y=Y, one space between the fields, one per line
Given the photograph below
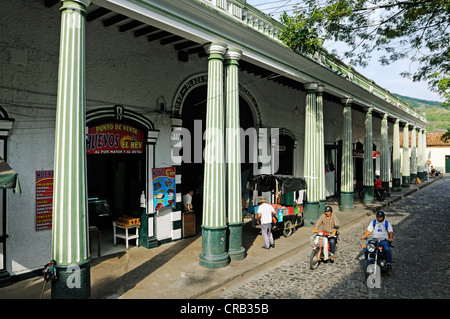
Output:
x=347 y=201
x=405 y=182
x=413 y=180
x=214 y=253
x=235 y=249
x=322 y=205
x=420 y=175
x=311 y=213
x=368 y=194
x=396 y=185
x=73 y=281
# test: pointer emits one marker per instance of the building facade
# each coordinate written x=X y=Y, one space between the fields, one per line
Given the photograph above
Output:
x=78 y=78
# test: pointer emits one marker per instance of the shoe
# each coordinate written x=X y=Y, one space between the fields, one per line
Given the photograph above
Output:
x=265 y=247
x=332 y=258
x=273 y=246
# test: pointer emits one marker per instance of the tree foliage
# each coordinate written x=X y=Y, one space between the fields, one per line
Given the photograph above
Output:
x=417 y=30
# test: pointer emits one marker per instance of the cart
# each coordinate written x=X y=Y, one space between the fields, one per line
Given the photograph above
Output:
x=289 y=213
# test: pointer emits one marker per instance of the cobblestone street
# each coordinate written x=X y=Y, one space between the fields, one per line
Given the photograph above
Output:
x=420 y=254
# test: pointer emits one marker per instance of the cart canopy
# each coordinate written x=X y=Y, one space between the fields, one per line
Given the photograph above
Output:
x=266 y=183
x=8 y=177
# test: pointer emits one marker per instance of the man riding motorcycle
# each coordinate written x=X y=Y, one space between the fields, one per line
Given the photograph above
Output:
x=330 y=224
x=382 y=229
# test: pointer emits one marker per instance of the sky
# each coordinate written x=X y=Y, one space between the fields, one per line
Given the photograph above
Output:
x=387 y=77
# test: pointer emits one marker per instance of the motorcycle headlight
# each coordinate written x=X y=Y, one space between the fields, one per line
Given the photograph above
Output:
x=371 y=248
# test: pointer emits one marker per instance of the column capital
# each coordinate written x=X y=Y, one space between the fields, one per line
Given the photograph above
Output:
x=312 y=86
x=347 y=101
x=320 y=88
x=215 y=47
x=233 y=54
x=85 y=3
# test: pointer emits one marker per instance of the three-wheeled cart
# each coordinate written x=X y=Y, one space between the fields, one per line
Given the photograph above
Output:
x=283 y=190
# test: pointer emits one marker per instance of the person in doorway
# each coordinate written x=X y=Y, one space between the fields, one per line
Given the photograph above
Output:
x=382 y=229
x=265 y=214
x=329 y=223
x=187 y=201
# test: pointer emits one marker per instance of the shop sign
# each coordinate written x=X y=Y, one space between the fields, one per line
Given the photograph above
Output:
x=360 y=154
x=114 y=138
x=44 y=199
x=164 y=186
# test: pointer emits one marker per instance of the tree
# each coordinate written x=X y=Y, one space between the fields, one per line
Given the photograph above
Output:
x=446 y=136
x=412 y=29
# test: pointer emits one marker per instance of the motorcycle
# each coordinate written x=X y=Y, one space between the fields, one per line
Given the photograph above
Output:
x=377 y=259
x=437 y=174
x=321 y=249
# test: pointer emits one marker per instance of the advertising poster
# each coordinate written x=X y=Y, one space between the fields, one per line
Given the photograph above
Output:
x=164 y=193
x=44 y=199
x=114 y=138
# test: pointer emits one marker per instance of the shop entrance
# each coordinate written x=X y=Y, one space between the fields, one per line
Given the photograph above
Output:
x=116 y=174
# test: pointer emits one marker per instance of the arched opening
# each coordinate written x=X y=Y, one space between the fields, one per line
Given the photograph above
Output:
x=194 y=119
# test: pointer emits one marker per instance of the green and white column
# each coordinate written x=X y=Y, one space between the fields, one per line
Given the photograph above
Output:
x=405 y=158
x=70 y=237
x=425 y=156
x=396 y=159
x=368 y=159
x=385 y=154
x=310 y=168
x=347 y=191
x=320 y=150
x=233 y=153
x=413 y=168
x=214 y=228
x=420 y=161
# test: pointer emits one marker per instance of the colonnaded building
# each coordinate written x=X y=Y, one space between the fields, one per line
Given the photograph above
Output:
x=96 y=95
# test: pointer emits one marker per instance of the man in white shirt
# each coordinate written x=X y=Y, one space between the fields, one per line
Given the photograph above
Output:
x=381 y=229
x=187 y=202
x=265 y=213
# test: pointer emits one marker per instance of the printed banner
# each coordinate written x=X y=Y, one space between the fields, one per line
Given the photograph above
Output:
x=44 y=199
x=114 y=138
x=164 y=193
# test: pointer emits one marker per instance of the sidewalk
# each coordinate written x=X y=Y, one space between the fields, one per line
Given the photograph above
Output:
x=172 y=271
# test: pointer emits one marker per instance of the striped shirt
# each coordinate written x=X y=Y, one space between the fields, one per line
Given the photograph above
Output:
x=327 y=224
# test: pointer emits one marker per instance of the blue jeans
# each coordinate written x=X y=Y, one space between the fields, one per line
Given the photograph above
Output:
x=387 y=249
x=332 y=241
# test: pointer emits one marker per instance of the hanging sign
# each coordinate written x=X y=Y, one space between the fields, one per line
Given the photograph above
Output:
x=44 y=199
x=163 y=187
x=114 y=138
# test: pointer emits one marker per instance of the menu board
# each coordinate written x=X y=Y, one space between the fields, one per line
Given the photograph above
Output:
x=44 y=199
x=164 y=193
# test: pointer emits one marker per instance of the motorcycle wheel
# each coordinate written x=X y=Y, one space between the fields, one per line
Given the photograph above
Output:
x=382 y=196
x=440 y=176
x=314 y=259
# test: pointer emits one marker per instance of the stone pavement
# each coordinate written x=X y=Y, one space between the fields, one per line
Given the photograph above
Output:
x=172 y=271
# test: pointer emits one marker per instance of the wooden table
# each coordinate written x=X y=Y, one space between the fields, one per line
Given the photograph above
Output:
x=125 y=236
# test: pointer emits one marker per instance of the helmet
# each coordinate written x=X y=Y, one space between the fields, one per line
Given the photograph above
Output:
x=328 y=209
x=380 y=213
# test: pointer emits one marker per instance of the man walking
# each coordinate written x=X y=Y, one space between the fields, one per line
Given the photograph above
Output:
x=265 y=214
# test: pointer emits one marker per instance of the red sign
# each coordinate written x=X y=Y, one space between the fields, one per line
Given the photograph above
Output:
x=114 y=138
x=44 y=199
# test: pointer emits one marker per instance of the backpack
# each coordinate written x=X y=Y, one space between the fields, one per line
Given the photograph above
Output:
x=385 y=223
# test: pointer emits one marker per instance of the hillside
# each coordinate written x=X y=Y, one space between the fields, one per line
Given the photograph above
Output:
x=437 y=116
